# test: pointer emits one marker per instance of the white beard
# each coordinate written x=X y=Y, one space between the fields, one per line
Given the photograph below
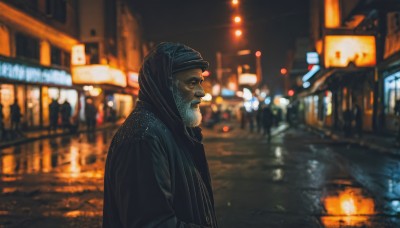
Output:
x=191 y=117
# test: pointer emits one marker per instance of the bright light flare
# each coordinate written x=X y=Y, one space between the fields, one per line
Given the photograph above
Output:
x=225 y=129
x=235 y=2
x=237 y=19
x=258 y=53
x=238 y=33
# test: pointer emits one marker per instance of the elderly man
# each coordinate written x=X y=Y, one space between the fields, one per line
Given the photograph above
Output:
x=156 y=170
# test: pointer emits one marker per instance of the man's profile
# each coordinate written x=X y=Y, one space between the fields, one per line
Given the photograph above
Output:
x=156 y=171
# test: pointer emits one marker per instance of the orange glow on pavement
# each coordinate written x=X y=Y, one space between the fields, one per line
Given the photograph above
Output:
x=348 y=208
x=225 y=129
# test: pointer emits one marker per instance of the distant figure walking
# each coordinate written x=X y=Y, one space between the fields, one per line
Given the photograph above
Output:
x=358 y=117
x=54 y=109
x=347 y=118
x=90 y=114
x=268 y=120
x=66 y=115
x=15 y=114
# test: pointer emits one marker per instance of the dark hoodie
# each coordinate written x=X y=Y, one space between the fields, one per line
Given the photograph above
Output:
x=156 y=170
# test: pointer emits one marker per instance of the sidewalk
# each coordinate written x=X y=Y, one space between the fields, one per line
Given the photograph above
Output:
x=384 y=144
x=30 y=136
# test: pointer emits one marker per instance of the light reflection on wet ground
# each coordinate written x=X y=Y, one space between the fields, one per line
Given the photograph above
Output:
x=58 y=178
x=297 y=180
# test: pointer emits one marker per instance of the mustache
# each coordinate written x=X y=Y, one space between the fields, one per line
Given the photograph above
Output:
x=195 y=102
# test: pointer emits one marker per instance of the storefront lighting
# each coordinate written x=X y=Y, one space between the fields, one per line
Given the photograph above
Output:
x=343 y=51
x=247 y=95
x=98 y=74
x=247 y=79
x=311 y=73
x=306 y=85
x=207 y=97
x=87 y=88
x=110 y=103
x=95 y=92
x=33 y=74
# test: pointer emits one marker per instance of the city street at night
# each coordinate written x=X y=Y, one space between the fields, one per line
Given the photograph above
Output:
x=298 y=104
x=299 y=179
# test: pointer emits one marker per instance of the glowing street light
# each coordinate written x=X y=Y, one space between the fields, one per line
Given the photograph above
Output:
x=238 y=33
x=258 y=53
x=237 y=19
x=235 y=2
x=283 y=71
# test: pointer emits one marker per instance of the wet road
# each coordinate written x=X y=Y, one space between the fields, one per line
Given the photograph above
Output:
x=296 y=180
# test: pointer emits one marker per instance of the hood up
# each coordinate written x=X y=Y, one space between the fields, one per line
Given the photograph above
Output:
x=155 y=81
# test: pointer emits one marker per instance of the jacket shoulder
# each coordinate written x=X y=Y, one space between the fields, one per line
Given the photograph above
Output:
x=140 y=124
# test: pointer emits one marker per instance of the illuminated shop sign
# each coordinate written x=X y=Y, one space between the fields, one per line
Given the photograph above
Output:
x=312 y=58
x=342 y=51
x=33 y=74
x=98 y=74
x=247 y=79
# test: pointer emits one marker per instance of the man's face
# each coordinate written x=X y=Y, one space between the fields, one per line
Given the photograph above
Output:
x=187 y=91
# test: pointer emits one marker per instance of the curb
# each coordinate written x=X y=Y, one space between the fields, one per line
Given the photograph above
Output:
x=44 y=136
x=361 y=142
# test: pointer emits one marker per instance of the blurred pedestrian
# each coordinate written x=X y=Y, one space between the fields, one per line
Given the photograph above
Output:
x=156 y=170
x=347 y=118
x=65 y=111
x=15 y=114
x=259 y=117
x=268 y=119
x=54 y=109
x=90 y=114
x=358 y=119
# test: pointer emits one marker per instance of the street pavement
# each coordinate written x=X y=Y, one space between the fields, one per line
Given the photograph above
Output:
x=298 y=179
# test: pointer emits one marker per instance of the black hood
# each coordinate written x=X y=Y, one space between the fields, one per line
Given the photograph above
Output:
x=155 y=80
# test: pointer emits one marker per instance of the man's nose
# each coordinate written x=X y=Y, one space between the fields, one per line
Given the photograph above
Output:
x=199 y=92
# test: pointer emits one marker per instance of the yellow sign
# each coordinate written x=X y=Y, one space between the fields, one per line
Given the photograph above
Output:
x=78 y=56
x=343 y=51
x=98 y=74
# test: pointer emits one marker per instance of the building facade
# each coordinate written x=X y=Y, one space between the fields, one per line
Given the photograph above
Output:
x=357 y=44
x=36 y=38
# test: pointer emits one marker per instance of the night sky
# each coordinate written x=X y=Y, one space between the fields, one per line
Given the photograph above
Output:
x=270 y=26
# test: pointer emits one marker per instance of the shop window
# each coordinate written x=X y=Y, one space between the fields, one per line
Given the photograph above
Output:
x=56 y=56
x=27 y=47
x=60 y=57
x=392 y=92
x=6 y=99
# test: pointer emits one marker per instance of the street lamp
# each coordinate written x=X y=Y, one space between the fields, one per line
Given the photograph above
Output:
x=237 y=19
x=235 y=2
x=238 y=33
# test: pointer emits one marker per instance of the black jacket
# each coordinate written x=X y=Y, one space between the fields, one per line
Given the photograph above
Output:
x=156 y=170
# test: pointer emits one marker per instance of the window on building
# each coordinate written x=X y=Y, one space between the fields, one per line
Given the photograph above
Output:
x=27 y=47
x=56 y=56
x=92 y=53
x=60 y=57
x=57 y=9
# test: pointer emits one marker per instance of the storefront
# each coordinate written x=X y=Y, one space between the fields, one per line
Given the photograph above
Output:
x=105 y=85
x=33 y=87
x=391 y=94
